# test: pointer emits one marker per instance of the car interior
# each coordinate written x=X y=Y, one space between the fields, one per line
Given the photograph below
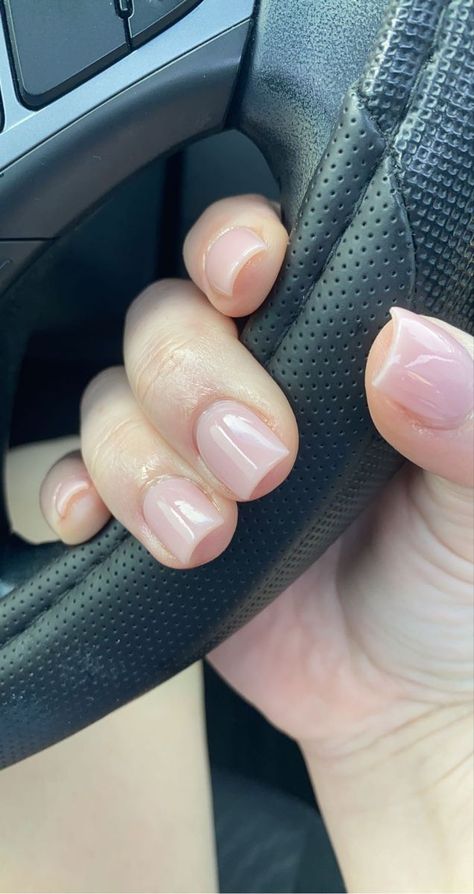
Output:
x=110 y=149
x=133 y=239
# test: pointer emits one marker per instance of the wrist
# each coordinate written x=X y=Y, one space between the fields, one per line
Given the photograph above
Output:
x=399 y=805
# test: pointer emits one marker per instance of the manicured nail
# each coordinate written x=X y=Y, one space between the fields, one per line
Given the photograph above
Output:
x=73 y=509
x=180 y=515
x=70 y=503
x=69 y=492
x=237 y=446
x=228 y=255
x=427 y=372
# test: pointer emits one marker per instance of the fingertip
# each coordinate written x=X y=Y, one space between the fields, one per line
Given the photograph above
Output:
x=86 y=516
x=243 y=451
x=234 y=253
x=70 y=503
x=377 y=358
x=184 y=526
x=257 y=277
x=419 y=385
x=218 y=540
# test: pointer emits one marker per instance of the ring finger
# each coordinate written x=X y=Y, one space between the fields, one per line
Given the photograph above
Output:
x=145 y=484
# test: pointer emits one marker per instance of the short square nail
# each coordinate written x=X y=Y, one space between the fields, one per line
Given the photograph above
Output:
x=180 y=515
x=427 y=372
x=237 y=447
x=228 y=255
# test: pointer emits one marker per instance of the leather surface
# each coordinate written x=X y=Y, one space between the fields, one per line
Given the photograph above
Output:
x=104 y=622
x=304 y=55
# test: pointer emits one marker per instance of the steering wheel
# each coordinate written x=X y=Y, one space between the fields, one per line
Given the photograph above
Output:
x=364 y=112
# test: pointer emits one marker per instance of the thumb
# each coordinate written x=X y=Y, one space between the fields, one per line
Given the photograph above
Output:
x=420 y=390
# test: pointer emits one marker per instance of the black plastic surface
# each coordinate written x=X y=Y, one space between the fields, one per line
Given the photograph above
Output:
x=149 y=17
x=14 y=254
x=58 y=45
x=83 y=162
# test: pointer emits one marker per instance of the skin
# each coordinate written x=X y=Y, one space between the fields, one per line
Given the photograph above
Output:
x=367 y=659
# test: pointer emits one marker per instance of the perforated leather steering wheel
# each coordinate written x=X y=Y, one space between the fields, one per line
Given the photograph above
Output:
x=364 y=112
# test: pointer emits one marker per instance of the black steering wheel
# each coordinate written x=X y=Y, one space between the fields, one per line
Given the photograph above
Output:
x=364 y=112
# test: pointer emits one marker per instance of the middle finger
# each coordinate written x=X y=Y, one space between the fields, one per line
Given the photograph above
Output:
x=206 y=394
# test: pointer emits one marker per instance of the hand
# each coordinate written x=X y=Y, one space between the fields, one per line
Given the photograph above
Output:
x=371 y=650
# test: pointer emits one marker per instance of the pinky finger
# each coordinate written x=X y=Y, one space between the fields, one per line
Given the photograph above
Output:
x=70 y=503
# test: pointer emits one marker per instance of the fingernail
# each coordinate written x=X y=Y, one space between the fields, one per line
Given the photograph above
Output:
x=237 y=446
x=427 y=372
x=75 y=511
x=69 y=492
x=228 y=255
x=180 y=515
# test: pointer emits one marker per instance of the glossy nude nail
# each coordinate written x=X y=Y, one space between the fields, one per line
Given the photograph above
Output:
x=427 y=372
x=237 y=447
x=71 y=505
x=74 y=502
x=228 y=255
x=69 y=492
x=180 y=515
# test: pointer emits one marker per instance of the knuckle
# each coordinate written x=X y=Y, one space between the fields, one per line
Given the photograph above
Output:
x=170 y=361
x=106 y=447
x=162 y=364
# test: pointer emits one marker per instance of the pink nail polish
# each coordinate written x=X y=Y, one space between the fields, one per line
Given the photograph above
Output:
x=180 y=515
x=237 y=446
x=427 y=372
x=228 y=255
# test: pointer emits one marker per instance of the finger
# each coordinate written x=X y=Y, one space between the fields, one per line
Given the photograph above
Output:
x=148 y=487
x=206 y=394
x=234 y=253
x=70 y=503
x=420 y=385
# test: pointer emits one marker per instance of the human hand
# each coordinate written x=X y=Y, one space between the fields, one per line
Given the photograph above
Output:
x=370 y=652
